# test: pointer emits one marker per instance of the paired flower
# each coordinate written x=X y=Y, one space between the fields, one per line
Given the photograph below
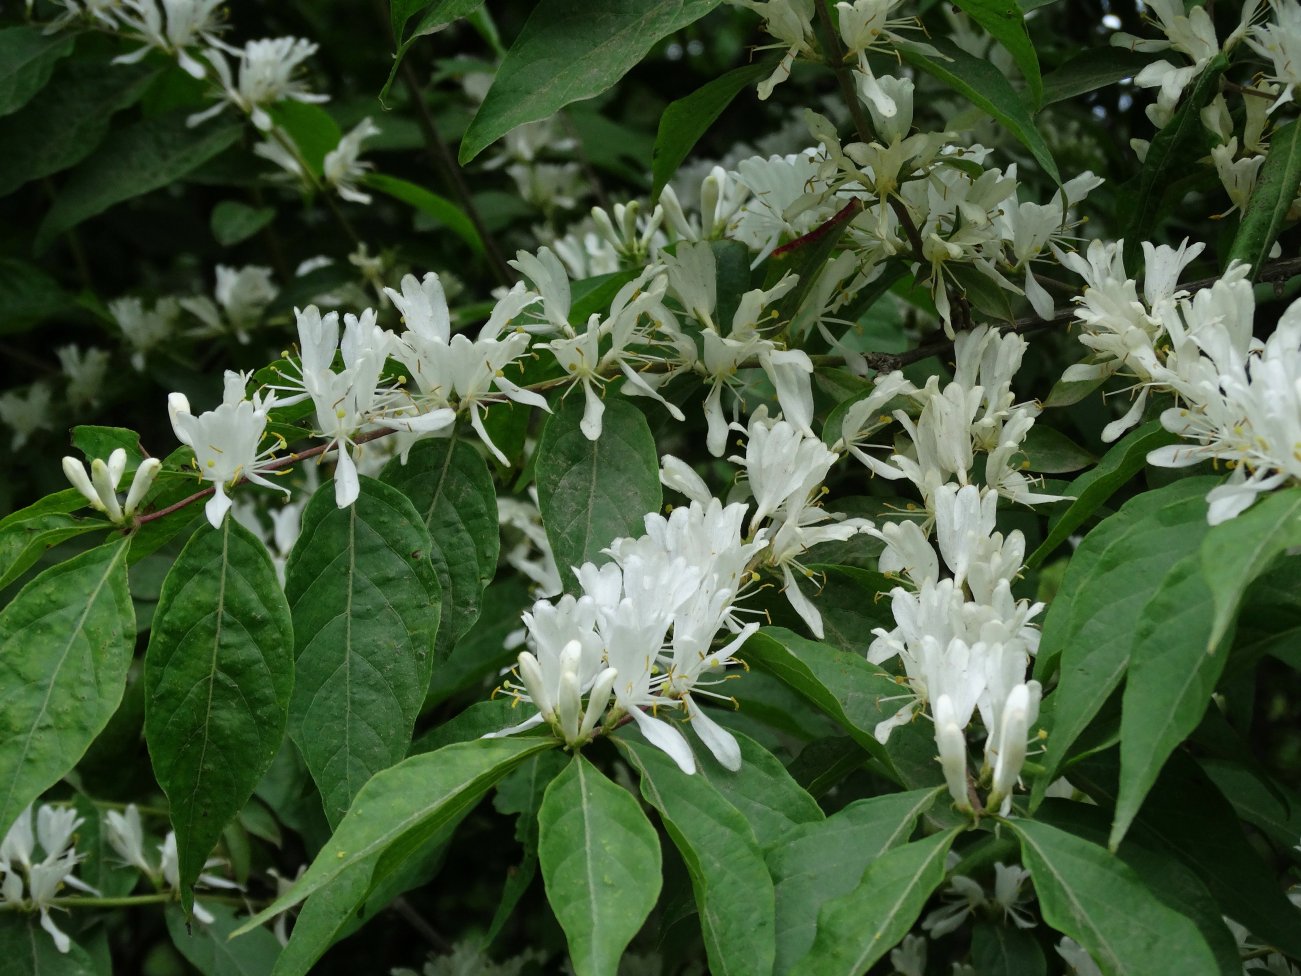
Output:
x=100 y=487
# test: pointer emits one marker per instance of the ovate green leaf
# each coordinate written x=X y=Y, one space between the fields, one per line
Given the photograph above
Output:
x=218 y=675
x=985 y=87
x=150 y=154
x=734 y=892
x=1091 y=624
x=395 y=813
x=65 y=647
x=855 y=693
x=825 y=860
x=365 y=601
x=570 y=50
x=431 y=204
x=1098 y=901
x=687 y=119
x=857 y=929
x=27 y=58
x=592 y=492
x=1005 y=22
x=601 y=864
x=1236 y=552
x=448 y=482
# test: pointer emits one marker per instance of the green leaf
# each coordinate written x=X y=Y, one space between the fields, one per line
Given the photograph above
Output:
x=1049 y=451
x=394 y=814
x=985 y=87
x=1174 y=883
x=70 y=117
x=65 y=647
x=365 y=601
x=1235 y=553
x=431 y=204
x=1257 y=803
x=154 y=153
x=825 y=860
x=600 y=862
x=569 y=50
x=448 y=482
x=1098 y=901
x=27 y=59
x=309 y=127
x=1005 y=22
x=1091 y=624
x=1004 y=950
x=232 y=221
x=1276 y=189
x=28 y=295
x=593 y=492
x=684 y=121
x=1171 y=148
x=24 y=541
x=855 y=693
x=99 y=442
x=734 y=892
x=858 y=928
x=434 y=17
x=1207 y=836
x=210 y=949
x=1092 y=69
x=218 y=674
x=762 y=790
x=1098 y=484
x=27 y=950
x=1171 y=677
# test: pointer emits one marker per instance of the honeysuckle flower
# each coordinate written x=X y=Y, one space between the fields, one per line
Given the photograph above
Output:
x=171 y=26
x=86 y=370
x=454 y=370
x=144 y=329
x=1077 y=958
x=1190 y=33
x=781 y=464
x=1244 y=405
x=100 y=487
x=242 y=296
x=964 y=895
x=25 y=411
x=265 y=75
x=226 y=441
x=951 y=745
x=1280 y=42
x=125 y=834
x=550 y=281
x=632 y=236
x=342 y=167
x=100 y=13
x=909 y=959
x=791 y=23
x=1237 y=176
x=720 y=198
x=169 y=869
x=1007 y=742
x=787 y=198
x=43 y=879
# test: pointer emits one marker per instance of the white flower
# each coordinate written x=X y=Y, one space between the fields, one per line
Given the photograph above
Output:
x=1007 y=741
x=266 y=75
x=171 y=26
x=169 y=868
x=1280 y=42
x=25 y=411
x=965 y=895
x=343 y=167
x=791 y=23
x=100 y=488
x=782 y=464
x=55 y=829
x=86 y=370
x=242 y=296
x=144 y=330
x=126 y=836
x=1244 y=404
x=226 y=441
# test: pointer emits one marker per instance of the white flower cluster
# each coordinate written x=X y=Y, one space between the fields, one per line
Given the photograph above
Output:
x=125 y=834
x=264 y=72
x=1239 y=397
x=640 y=636
x=962 y=637
x=32 y=885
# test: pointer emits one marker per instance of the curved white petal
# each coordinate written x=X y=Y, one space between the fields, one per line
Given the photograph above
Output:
x=664 y=736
